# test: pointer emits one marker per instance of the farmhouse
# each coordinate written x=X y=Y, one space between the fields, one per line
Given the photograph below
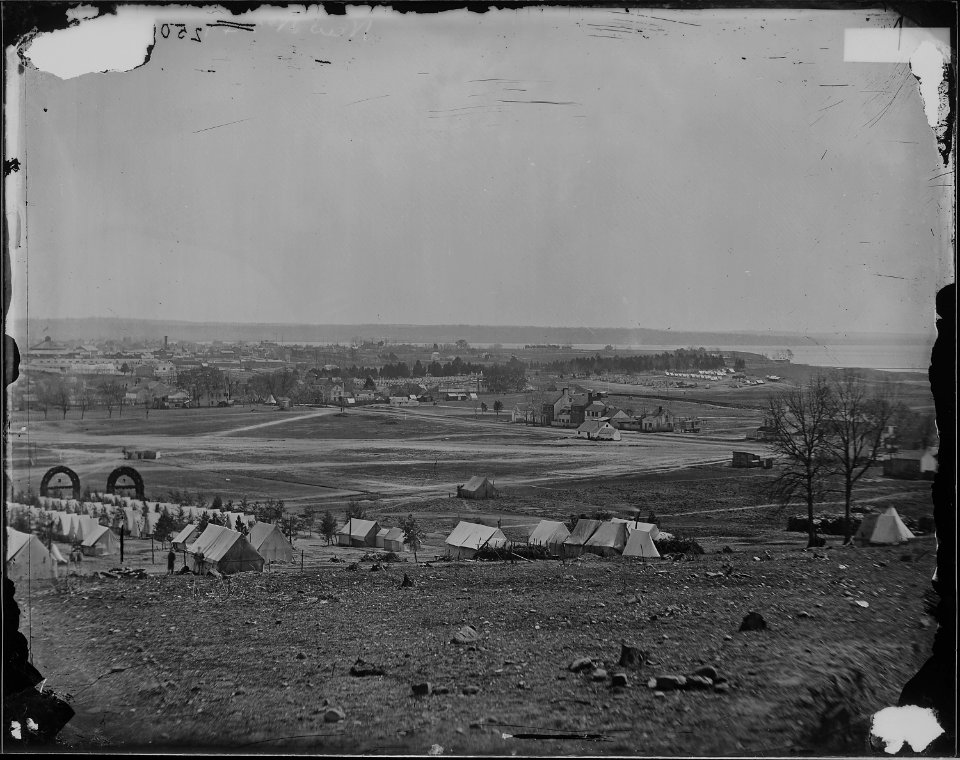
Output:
x=910 y=464
x=661 y=421
x=523 y=413
x=598 y=430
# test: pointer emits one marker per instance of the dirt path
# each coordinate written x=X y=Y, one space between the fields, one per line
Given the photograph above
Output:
x=281 y=421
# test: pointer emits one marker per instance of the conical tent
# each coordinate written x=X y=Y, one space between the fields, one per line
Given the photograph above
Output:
x=640 y=544
x=608 y=540
x=550 y=535
x=886 y=528
x=27 y=557
x=573 y=544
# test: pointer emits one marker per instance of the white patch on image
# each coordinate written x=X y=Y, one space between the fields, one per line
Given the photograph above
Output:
x=109 y=43
x=927 y=65
x=917 y=726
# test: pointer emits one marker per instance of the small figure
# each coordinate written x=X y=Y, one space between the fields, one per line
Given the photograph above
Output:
x=171 y=561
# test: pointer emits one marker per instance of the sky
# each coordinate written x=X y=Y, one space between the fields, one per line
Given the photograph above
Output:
x=692 y=170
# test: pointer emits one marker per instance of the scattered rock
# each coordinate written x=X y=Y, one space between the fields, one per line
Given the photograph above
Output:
x=333 y=715
x=362 y=668
x=581 y=663
x=422 y=689
x=906 y=558
x=698 y=682
x=599 y=674
x=466 y=635
x=707 y=671
x=721 y=687
x=442 y=690
x=803 y=614
x=728 y=637
x=659 y=694
x=469 y=690
x=301 y=656
x=631 y=656
x=753 y=622
x=618 y=680
x=726 y=550
x=406 y=582
x=667 y=683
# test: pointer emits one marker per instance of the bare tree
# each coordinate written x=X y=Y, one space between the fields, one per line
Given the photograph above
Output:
x=62 y=398
x=113 y=394
x=857 y=424
x=43 y=390
x=800 y=419
x=84 y=396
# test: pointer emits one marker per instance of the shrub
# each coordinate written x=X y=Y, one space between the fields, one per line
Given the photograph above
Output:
x=678 y=545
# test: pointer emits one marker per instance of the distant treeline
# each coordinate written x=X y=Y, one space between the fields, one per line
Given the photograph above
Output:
x=683 y=360
x=402 y=370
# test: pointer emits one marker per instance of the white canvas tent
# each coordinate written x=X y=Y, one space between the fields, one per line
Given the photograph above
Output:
x=551 y=535
x=270 y=542
x=393 y=540
x=101 y=542
x=608 y=540
x=27 y=557
x=573 y=544
x=633 y=525
x=468 y=538
x=477 y=488
x=640 y=543
x=224 y=550
x=886 y=528
x=358 y=532
x=184 y=537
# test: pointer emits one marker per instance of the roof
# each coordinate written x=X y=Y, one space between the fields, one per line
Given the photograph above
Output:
x=259 y=532
x=357 y=527
x=596 y=405
x=184 y=534
x=609 y=534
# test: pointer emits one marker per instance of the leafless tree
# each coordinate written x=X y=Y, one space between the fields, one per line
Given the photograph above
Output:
x=858 y=418
x=84 y=397
x=62 y=397
x=113 y=394
x=800 y=418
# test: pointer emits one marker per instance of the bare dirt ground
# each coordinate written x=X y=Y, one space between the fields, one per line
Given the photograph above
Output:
x=170 y=663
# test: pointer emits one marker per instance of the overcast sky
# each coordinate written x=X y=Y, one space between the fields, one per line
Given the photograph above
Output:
x=700 y=171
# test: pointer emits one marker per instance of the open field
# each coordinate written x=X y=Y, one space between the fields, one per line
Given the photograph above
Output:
x=319 y=455
x=186 y=663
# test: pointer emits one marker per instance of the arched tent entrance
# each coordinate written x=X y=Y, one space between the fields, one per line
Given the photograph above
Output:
x=125 y=481
x=60 y=482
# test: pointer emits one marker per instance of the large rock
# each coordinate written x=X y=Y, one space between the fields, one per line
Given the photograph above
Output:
x=466 y=635
x=581 y=663
x=333 y=715
x=753 y=622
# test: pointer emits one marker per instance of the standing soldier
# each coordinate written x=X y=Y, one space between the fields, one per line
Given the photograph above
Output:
x=171 y=560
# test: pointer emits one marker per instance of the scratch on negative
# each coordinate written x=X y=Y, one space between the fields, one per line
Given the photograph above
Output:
x=217 y=126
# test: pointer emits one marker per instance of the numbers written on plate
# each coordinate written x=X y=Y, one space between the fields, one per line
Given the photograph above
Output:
x=180 y=31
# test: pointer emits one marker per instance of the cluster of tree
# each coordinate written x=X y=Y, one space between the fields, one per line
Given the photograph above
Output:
x=683 y=360
x=198 y=381
x=506 y=378
x=830 y=429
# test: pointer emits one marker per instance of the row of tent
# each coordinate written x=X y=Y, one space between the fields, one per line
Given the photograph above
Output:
x=266 y=539
x=136 y=523
x=605 y=538
x=360 y=533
